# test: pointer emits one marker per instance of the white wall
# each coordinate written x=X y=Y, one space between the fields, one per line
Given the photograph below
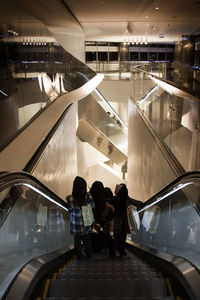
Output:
x=57 y=166
x=74 y=44
x=148 y=169
x=106 y=175
x=115 y=90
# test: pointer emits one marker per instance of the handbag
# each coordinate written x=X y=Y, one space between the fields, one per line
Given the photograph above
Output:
x=88 y=217
x=133 y=219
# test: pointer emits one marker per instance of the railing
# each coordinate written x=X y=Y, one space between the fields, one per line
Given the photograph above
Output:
x=170 y=220
x=34 y=222
x=32 y=76
x=172 y=112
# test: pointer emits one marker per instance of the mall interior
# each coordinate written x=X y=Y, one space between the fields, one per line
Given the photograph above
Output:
x=108 y=91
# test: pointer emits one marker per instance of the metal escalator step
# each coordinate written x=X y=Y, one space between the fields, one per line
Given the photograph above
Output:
x=92 y=274
x=103 y=288
x=110 y=298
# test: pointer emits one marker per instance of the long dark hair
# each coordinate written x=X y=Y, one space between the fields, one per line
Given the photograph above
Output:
x=79 y=190
x=121 y=200
x=97 y=195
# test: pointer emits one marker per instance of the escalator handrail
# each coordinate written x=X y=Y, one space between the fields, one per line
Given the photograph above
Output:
x=172 y=83
x=110 y=106
x=22 y=177
x=190 y=174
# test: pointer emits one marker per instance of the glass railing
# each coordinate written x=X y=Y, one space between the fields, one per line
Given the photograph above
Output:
x=103 y=117
x=115 y=70
x=173 y=114
x=32 y=75
x=170 y=221
x=34 y=221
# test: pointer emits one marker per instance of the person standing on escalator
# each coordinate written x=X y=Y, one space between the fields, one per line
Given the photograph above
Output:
x=81 y=233
x=121 y=227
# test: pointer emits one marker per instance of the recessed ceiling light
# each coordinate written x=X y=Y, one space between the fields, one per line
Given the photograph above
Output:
x=157 y=7
x=147 y=17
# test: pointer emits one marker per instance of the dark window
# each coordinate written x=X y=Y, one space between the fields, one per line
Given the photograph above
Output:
x=161 y=55
x=90 y=56
x=143 y=56
x=170 y=46
x=170 y=56
x=144 y=45
x=102 y=56
x=161 y=45
x=152 y=56
x=114 y=44
x=153 y=45
x=102 y=43
x=113 y=55
x=134 y=56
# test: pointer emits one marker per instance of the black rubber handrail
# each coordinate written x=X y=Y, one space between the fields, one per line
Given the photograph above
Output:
x=22 y=177
x=186 y=175
x=9 y=178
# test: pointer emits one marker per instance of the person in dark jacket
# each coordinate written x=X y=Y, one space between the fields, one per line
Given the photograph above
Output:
x=97 y=195
x=97 y=235
x=108 y=221
x=121 y=227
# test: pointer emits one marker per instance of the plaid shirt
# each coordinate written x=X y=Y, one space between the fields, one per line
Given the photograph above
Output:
x=55 y=220
x=76 y=224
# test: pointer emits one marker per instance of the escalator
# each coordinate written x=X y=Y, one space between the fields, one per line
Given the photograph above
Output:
x=35 y=242
x=108 y=278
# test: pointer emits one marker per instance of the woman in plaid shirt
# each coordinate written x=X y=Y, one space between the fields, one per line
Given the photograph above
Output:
x=80 y=232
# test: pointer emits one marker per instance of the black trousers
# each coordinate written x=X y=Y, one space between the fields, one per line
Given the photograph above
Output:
x=120 y=239
x=78 y=240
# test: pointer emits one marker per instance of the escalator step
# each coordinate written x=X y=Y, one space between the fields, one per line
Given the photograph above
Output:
x=104 y=288
x=110 y=298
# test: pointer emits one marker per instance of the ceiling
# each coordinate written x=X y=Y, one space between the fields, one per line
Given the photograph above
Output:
x=116 y=20
x=105 y=20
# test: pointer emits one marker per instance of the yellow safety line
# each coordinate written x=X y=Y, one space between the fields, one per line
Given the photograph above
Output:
x=47 y=283
x=169 y=287
x=46 y=288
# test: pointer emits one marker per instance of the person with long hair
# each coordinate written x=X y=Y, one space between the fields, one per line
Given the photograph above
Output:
x=121 y=227
x=80 y=197
x=97 y=236
x=97 y=195
x=108 y=221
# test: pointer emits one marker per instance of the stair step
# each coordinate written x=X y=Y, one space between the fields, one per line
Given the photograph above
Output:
x=103 y=288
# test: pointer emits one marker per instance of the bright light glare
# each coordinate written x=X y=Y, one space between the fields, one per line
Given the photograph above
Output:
x=174 y=190
x=45 y=196
x=114 y=113
x=148 y=94
x=3 y=93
